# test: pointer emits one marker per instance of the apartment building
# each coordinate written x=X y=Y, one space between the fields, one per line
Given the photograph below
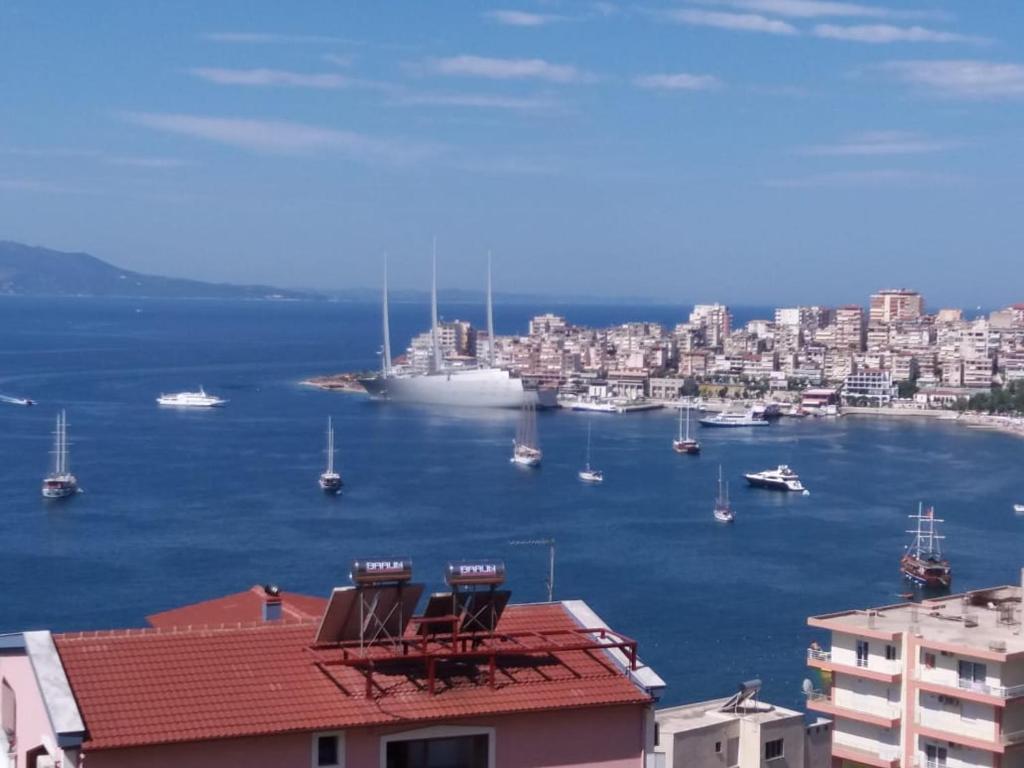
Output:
x=936 y=684
x=899 y=304
x=872 y=385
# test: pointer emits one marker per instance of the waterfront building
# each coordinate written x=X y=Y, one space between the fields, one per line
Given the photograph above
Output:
x=895 y=304
x=850 y=327
x=747 y=733
x=255 y=680
x=715 y=320
x=936 y=684
x=871 y=385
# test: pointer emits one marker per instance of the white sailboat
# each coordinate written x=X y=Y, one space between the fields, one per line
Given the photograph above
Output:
x=330 y=480
x=588 y=474
x=60 y=483
x=685 y=444
x=723 y=509
x=526 y=448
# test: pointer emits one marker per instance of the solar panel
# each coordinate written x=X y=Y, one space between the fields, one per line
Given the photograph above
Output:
x=481 y=611
x=440 y=604
x=336 y=615
x=368 y=614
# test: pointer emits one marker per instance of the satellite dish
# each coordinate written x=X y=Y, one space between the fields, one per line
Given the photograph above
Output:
x=807 y=687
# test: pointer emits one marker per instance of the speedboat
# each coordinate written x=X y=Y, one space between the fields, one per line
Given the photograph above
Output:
x=198 y=399
x=1019 y=509
x=782 y=478
x=733 y=419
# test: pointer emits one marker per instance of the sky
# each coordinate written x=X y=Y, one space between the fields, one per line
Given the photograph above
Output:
x=746 y=151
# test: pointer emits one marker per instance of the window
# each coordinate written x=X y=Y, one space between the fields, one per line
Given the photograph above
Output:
x=451 y=752
x=929 y=661
x=773 y=749
x=972 y=675
x=718 y=747
x=890 y=653
x=935 y=756
x=328 y=750
x=862 y=653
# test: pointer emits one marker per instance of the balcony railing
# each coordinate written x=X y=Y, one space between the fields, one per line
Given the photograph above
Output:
x=818 y=655
x=880 y=710
x=999 y=691
x=1013 y=737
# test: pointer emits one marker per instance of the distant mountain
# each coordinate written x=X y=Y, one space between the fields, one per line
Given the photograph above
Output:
x=27 y=270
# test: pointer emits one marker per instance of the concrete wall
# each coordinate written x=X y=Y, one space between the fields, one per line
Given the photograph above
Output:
x=958 y=757
x=957 y=716
x=696 y=748
x=604 y=737
x=946 y=670
x=870 y=738
x=844 y=651
x=33 y=723
x=870 y=696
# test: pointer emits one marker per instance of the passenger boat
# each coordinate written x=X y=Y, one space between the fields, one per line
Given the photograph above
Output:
x=330 y=480
x=723 y=509
x=525 y=448
x=198 y=399
x=734 y=419
x=685 y=444
x=782 y=478
x=60 y=483
x=588 y=474
x=922 y=562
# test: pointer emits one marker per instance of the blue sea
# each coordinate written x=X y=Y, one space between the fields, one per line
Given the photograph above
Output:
x=183 y=506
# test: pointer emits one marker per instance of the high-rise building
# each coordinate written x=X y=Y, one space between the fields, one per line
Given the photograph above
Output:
x=715 y=320
x=850 y=327
x=895 y=304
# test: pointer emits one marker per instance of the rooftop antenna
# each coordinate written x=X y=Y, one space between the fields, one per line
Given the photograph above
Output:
x=387 y=326
x=550 y=544
x=490 y=316
x=435 y=340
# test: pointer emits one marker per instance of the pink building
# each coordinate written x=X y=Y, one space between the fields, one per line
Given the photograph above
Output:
x=246 y=680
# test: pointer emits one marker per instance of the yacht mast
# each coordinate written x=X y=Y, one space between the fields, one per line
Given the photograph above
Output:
x=490 y=316
x=435 y=340
x=330 y=446
x=386 y=360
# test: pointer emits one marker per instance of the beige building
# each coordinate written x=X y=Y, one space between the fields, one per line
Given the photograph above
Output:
x=936 y=684
x=739 y=732
x=899 y=304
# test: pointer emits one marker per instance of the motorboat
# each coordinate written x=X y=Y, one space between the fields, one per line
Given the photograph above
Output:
x=782 y=478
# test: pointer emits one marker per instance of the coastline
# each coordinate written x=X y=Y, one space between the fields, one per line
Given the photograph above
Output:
x=337 y=382
x=1011 y=425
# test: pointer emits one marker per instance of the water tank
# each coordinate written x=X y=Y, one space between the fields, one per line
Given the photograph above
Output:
x=466 y=573
x=383 y=569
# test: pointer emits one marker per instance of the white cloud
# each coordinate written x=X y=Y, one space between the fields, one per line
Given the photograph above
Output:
x=888 y=33
x=261 y=38
x=508 y=69
x=521 y=18
x=679 y=81
x=962 y=78
x=338 y=59
x=280 y=137
x=812 y=9
x=879 y=143
x=885 y=177
x=477 y=100
x=737 y=22
x=271 y=77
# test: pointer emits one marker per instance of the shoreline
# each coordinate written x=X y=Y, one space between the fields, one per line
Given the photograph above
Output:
x=337 y=382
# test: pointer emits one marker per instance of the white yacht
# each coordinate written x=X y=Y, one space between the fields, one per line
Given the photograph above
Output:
x=734 y=419
x=526 y=448
x=60 y=483
x=330 y=479
x=588 y=474
x=723 y=511
x=782 y=478
x=198 y=399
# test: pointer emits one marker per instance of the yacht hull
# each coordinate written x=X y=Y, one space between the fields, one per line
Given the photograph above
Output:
x=478 y=388
x=771 y=484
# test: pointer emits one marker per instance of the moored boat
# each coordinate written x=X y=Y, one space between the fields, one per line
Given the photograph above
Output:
x=723 y=511
x=923 y=562
x=588 y=474
x=734 y=419
x=685 y=444
x=525 y=448
x=330 y=479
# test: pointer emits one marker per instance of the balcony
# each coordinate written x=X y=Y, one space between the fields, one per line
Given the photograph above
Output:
x=996 y=691
x=996 y=695
x=884 y=715
x=882 y=758
x=872 y=669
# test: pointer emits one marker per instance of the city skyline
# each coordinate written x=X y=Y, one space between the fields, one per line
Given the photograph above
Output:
x=824 y=149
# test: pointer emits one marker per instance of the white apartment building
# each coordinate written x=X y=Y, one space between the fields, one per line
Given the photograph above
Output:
x=936 y=684
x=871 y=385
x=715 y=320
x=739 y=732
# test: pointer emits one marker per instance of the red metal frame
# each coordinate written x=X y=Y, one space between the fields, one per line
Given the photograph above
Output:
x=450 y=645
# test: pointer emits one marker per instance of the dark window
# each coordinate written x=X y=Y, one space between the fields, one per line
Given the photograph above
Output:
x=773 y=749
x=890 y=653
x=327 y=751
x=718 y=747
x=455 y=752
x=862 y=653
x=972 y=675
x=929 y=661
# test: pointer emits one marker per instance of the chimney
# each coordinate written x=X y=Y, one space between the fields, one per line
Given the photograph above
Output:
x=271 y=602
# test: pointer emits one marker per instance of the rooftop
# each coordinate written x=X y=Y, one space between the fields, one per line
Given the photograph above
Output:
x=174 y=683
x=987 y=621
x=689 y=717
x=239 y=608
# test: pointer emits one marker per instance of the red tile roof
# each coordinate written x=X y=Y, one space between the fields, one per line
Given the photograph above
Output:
x=153 y=686
x=238 y=608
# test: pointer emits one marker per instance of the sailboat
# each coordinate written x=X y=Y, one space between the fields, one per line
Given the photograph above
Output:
x=923 y=563
x=723 y=509
x=525 y=448
x=685 y=444
x=330 y=480
x=60 y=483
x=589 y=474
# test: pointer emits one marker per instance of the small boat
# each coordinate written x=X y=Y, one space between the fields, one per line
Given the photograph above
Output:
x=588 y=474
x=723 y=509
x=24 y=401
x=922 y=563
x=525 y=448
x=685 y=444
x=734 y=419
x=782 y=478
x=330 y=480
x=60 y=483
x=198 y=399
x=1019 y=509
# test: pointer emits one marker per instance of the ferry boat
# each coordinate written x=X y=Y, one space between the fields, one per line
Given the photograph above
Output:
x=733 y=419
x=525 y=448
x=588 y=474
x=922 y=562
x=198 y=399
x=60 y=483
x=782 y=478
x=723 y=509
x=330 y=480
x=685 y=444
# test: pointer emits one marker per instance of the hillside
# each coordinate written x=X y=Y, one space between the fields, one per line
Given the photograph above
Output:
x=27 y=270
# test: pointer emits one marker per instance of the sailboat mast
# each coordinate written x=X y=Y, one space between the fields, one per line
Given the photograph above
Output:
x=435 y=340
x=680 y=424
x=386 y=361
x=330 y=445
x=490 y=316
x=687 y=422
x=588 y=445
